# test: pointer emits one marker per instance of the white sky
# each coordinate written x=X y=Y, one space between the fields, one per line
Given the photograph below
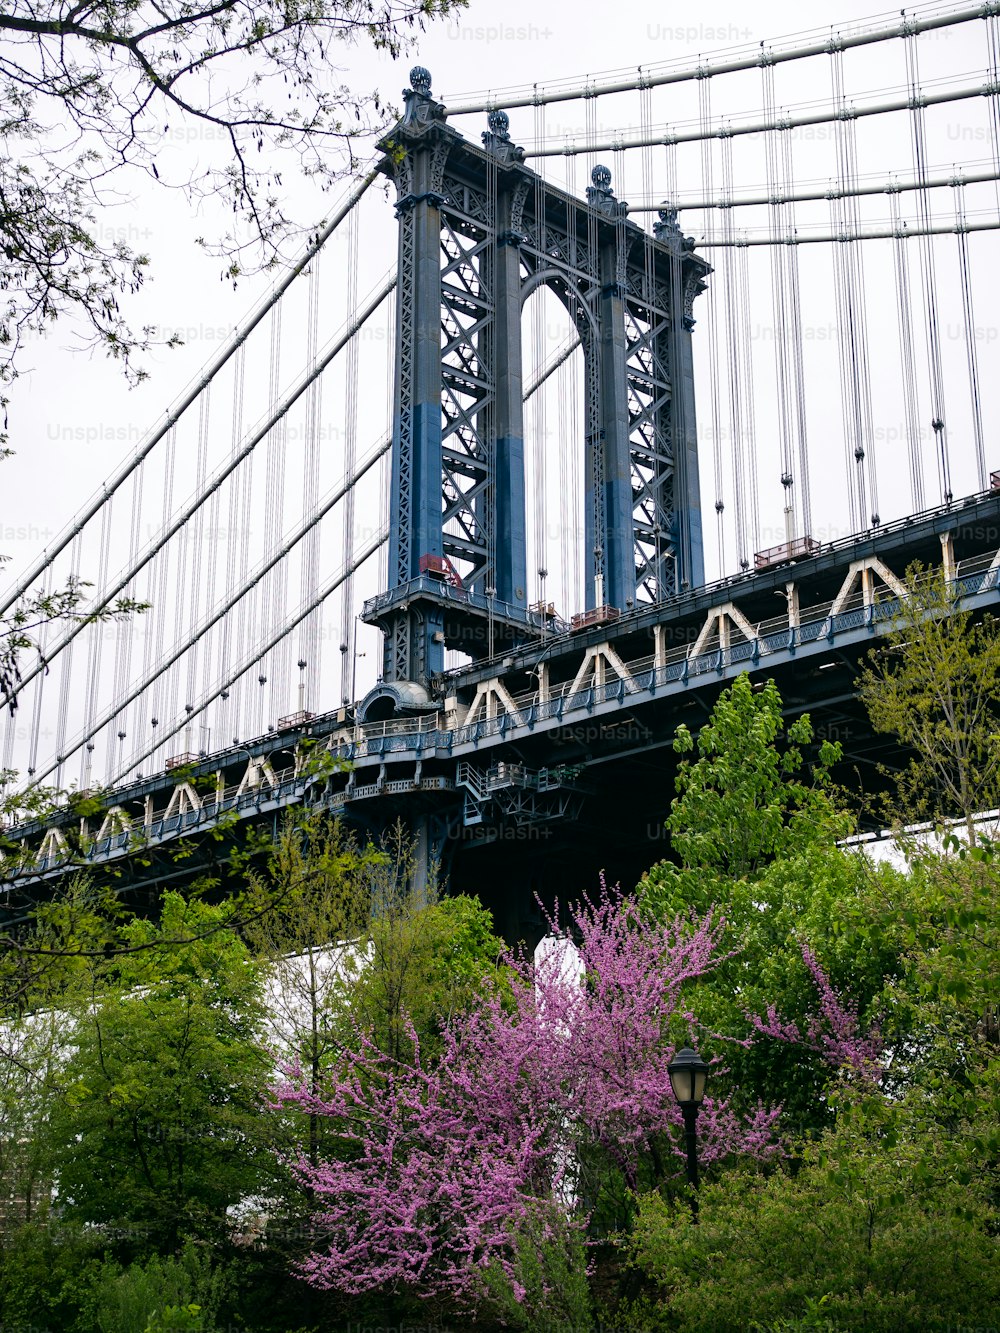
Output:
x=73 y=419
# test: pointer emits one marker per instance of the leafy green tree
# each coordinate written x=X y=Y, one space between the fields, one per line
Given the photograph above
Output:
x=747 y=799
x=158 y=1293
x=425 y=958
x=158 y=1130
x=48 y=1274
x=884 y=1216
x=43 y=971
x=881 y=1228
x=935 y=684
x=304 y=914
x=754 y=827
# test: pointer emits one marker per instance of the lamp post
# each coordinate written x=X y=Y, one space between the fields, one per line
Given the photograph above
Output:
x=688 y=1072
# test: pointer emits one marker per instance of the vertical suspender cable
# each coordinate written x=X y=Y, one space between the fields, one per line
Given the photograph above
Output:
x=797 y=367
x=347 y=624
x=927 y=272
x=969 y=323
x=859 y=303
x=66 y=672
x=195 y=532
x=158 y=581
x=273 y=601
x=749 y=426
x=713 y=298
x=228 y=709
x=125 y=633
x=855 y=389
x=211 y=541
x=94 y=635
x=311 y=449
x=743 y=459
x=783 y=334
x=906 y=356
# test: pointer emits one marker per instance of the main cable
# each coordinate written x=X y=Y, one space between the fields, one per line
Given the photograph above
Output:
x=228 y=468
x=173 y=416
x=647 y=79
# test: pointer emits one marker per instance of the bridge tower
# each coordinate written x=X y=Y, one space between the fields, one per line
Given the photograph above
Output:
x=478 y=232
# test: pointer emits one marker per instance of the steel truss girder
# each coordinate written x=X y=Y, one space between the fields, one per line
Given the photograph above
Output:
x=651 y=452
x=467 y=390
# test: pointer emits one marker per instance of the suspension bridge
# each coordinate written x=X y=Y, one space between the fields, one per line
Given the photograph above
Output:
x=473 y=563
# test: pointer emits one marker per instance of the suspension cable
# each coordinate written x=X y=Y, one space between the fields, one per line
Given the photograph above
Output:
x=971 y=350
x=256 y=578
x=647 y=76
x=731 y=129
x=372 y=546
x=107 y=597
x=829 y=191
x=928 y=274
x=174 y=415
x=845 y=234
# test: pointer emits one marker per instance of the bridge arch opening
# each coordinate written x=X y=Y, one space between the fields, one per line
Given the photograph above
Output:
x=554 y=378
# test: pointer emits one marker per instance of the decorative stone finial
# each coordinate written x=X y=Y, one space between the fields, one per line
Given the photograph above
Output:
x=496 y=139
x=667 y=229
x=420 y=80
x=601 y=196
x=422 y=112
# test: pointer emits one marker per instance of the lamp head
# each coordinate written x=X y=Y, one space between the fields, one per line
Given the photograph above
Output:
x=688 y=1072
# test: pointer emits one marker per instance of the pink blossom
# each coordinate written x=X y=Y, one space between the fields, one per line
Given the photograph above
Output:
x=444 y=1163
x=835 y=1032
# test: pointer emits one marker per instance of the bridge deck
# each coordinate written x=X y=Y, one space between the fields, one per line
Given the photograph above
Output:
x=518 y=740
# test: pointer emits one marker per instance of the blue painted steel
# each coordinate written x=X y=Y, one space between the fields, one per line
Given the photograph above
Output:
x=426 y=533
x=512 y=545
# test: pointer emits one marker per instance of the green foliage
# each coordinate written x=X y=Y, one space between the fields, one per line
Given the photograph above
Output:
x=47 y=1274
x=311 y=890
x=744 y=801
x=755 y=825
x=158 y=1128
x=176 y=1318
x=885 y=1217
x=549 y=1292
x=57 y=1277
x=881 y=1228
x=159 y=1294
x=424 y=963
x=936 y=685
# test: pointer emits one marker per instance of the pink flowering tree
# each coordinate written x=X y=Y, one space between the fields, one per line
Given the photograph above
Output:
x=445 y=1163
x=833 y=1030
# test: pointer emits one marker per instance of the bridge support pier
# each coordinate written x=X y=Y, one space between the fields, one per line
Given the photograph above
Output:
x=949 y=566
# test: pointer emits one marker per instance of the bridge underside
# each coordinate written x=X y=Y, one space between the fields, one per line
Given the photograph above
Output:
x=536 y=770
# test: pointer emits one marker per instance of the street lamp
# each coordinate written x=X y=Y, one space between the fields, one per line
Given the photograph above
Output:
x=688 y=1072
